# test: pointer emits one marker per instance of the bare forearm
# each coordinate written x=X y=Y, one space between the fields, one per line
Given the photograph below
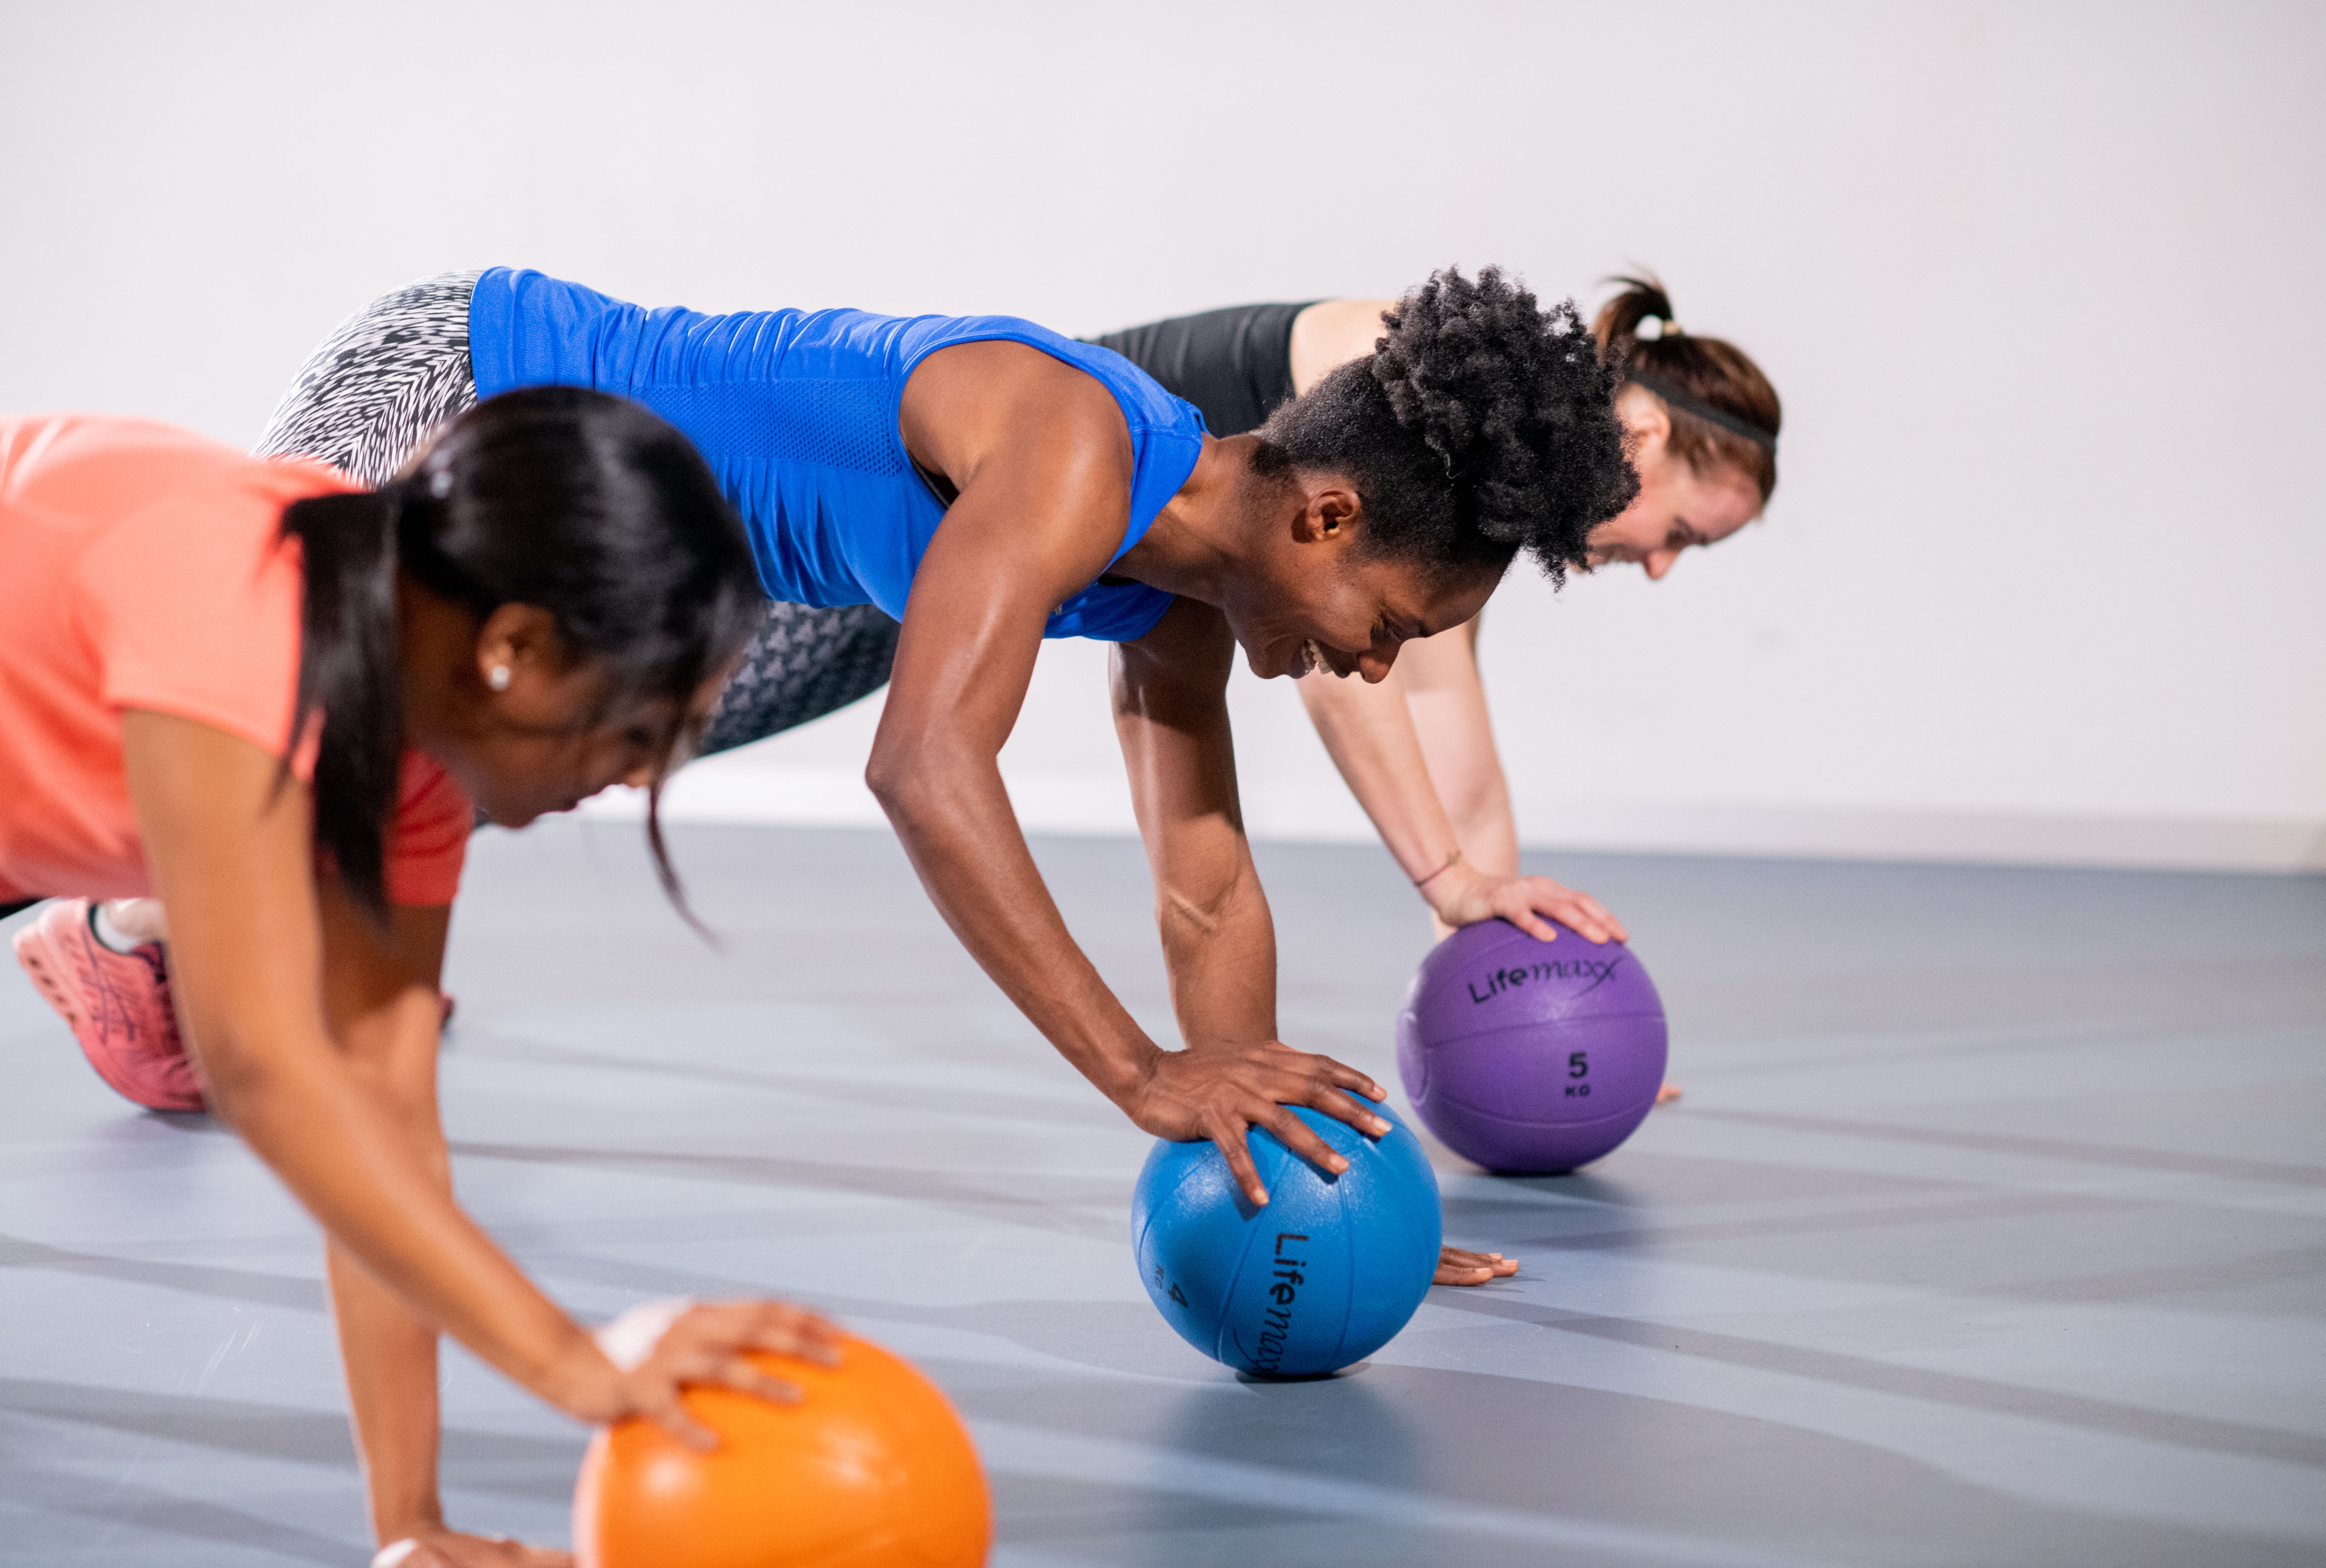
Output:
x=389 y=1353
x=954 y=819
x=1219 y=944
x=1369 y=731
x=232 y=858
x=1447 y=703
x=388 y=1350
x=345 y=1159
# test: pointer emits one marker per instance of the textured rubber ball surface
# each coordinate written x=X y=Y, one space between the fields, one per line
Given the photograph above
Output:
x=1527 y=1055
x=1319 y=1279
x=871 y=1469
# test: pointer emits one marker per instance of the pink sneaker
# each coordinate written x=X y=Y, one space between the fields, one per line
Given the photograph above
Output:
x=118 y=1005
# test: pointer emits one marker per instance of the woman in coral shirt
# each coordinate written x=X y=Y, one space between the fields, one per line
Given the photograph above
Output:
x=269 y=698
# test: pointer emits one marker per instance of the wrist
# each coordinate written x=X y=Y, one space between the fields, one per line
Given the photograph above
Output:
x=1422 y=883
x=1442 y=888
x=579 y=1379
x=409 y=1523
x=1121 y=1070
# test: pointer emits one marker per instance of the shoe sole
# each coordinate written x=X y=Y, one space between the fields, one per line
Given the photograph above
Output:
x=28 y=943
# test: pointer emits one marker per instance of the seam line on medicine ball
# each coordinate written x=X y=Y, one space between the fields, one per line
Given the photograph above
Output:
x=1155 y=1202
x=1224 y=1312
x=1347 y=1241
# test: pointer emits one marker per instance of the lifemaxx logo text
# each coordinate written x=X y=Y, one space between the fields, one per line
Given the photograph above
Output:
x=1598 y=971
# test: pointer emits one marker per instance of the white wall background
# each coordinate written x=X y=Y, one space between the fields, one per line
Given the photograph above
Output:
x=2039 y=284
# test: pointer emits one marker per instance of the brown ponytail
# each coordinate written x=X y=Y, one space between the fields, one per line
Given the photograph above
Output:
x=1679 y=368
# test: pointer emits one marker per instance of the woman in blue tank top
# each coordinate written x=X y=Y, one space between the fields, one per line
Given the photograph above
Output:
x=987 y=482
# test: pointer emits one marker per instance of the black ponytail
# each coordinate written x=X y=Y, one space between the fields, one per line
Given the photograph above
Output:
x=578 y=503
x=348 y=668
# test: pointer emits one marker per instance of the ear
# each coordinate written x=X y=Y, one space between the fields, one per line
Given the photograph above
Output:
x=1332 y=513
x=517 y=642
x=1647 y=428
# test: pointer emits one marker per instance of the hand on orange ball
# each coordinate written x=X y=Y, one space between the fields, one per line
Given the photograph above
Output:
x=660 y=1348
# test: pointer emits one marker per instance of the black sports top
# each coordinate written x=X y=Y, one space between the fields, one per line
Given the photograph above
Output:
x=1236 y=365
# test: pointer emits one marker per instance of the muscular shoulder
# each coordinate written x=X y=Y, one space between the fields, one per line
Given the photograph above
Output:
x=966 y=405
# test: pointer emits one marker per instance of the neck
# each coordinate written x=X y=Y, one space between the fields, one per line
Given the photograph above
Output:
x=1192 y=545
x=434 y=637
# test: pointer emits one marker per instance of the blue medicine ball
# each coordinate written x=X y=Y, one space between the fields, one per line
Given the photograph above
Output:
x=1321 y=1278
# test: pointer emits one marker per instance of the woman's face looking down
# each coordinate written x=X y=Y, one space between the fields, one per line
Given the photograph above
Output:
x=1677 y=506
x=1312 y=596
x=522 y=728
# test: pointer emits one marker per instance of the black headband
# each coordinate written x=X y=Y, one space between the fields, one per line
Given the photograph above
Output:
x=1703 y=410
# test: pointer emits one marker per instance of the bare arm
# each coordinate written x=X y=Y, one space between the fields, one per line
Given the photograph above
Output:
x=229 y=851
x=383 y=1005
x=1375 y=738
x=1370 y=732
x=380 y=1003
x=1171 y=715
x=1041 y=460
x=263 y=967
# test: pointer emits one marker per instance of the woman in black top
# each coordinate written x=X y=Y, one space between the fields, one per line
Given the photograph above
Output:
x=1417 y=748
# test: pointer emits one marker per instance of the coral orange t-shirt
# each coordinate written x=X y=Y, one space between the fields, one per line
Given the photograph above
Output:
x=142 y=567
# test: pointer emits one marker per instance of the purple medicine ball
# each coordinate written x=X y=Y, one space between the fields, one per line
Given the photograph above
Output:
x=1531 y=1056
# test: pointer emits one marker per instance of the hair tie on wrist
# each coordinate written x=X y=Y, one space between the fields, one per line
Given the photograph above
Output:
x=1441 y=871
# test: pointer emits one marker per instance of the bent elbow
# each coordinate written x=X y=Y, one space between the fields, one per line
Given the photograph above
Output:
x=889 y=774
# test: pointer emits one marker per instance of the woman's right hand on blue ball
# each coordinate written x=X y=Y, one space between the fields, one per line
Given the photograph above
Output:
x=1217 y=1091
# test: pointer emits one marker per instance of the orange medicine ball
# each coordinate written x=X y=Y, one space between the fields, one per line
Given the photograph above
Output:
x=871 y=1469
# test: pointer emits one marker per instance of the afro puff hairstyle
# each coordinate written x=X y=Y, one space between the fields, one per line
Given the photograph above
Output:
x=1479 y=426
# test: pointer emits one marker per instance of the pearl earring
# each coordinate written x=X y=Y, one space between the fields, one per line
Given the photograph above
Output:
x=499 y=679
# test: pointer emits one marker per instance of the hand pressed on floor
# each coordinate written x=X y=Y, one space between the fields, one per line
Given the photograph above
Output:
x=1457 y=1266
x=443 y=1548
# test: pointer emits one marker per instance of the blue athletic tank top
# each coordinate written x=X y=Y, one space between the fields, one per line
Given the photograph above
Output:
x=795 y=411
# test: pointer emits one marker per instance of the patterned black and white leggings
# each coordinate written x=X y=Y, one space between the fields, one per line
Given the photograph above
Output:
x=389 y=375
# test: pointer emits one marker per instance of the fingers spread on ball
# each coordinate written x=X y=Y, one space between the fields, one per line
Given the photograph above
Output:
x=790 y=1330
x=746 y=1377
x=1295 y=1135
x=1319 y=1075
x=1520 y=913
x=661 y=1407
x=1227 y=1132
x=1341 y=1108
